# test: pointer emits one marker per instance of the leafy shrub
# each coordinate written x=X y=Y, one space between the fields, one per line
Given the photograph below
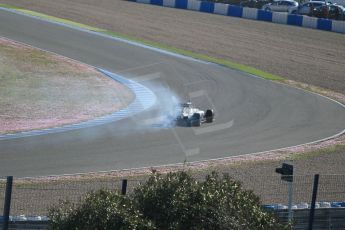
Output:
x=178 y=201
x=174 y=201
x=100 y=210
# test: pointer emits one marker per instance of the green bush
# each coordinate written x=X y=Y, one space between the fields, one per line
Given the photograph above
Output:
x=174 y=201
x=178 y=201
x=100 y=210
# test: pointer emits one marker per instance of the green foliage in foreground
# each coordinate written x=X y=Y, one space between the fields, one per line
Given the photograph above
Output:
x=174 y=201
x=99 y=210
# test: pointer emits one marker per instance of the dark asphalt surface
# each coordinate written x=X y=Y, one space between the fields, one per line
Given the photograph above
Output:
x=252 y=115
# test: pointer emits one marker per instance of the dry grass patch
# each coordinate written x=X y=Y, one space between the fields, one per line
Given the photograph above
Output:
x=40 y=90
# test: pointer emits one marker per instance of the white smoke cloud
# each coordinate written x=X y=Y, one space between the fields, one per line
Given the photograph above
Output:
x=165 y=111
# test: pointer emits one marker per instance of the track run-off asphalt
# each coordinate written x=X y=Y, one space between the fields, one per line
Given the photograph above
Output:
x=252 y=114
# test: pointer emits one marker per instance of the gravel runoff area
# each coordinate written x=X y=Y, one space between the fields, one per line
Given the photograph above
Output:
x=304 y=55
x=40 y=90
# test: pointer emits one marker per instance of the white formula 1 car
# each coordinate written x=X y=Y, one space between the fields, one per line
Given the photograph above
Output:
x=188 y=115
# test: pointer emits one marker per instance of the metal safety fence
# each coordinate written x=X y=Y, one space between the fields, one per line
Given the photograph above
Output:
x=35 y=197
x=32 y=198
x=273 y=190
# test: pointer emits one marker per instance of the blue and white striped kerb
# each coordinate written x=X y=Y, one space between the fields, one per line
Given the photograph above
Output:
x=251 y=13
x=144 y=99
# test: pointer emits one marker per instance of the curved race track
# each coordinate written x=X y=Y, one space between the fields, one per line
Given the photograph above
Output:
x=253 y=115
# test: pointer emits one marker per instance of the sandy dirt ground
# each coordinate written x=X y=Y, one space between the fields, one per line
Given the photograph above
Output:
x=40 y=90
x=304 y=55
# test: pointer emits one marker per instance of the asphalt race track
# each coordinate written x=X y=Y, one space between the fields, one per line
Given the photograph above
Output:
x=252 y=115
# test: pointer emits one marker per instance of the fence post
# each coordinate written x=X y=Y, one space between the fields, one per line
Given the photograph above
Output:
x=313 y=201
x=124 y=187
x=290 y=214
x=7 y=204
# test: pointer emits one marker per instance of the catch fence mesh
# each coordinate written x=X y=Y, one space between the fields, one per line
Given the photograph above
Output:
x=33 y=197
x=2 y=193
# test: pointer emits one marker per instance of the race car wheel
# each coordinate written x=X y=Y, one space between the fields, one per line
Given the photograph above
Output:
x=209 y=115
x=196 y=120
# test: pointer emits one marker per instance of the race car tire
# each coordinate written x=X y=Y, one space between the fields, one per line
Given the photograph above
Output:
x=196 y=120
x=196 y=123
x=209 y=115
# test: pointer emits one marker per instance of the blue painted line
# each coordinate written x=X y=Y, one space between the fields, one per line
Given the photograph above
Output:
x=264 y=16
x=144 y=99
x=295 y=20
x=324 y=24
x=157 y=2
x=207 y=7
x=181 y=4
x=235 y=11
